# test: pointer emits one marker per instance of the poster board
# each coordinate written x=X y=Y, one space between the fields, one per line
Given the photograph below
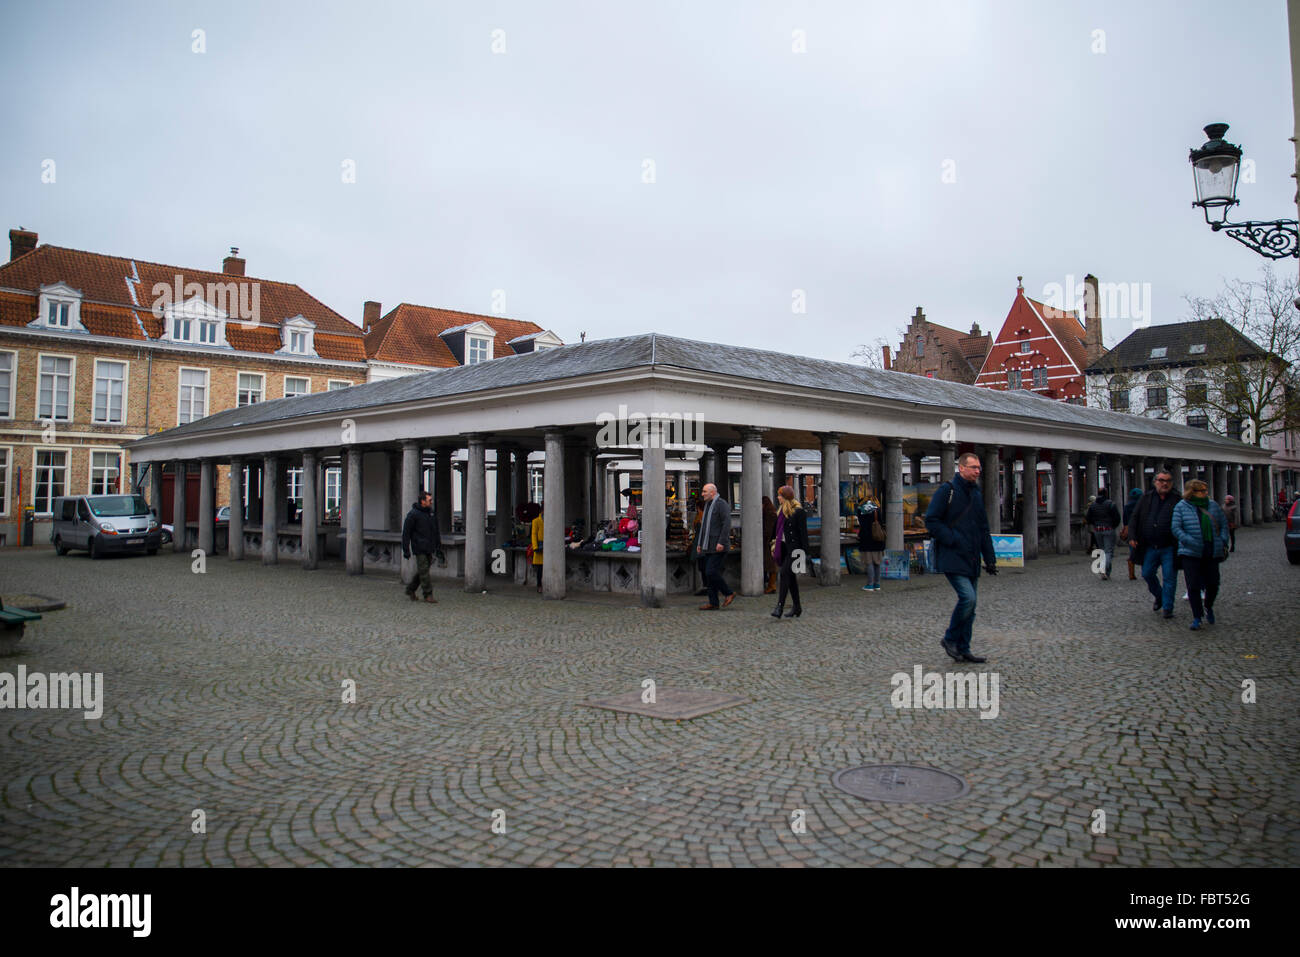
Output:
x=1009 y=550
x=896 y=565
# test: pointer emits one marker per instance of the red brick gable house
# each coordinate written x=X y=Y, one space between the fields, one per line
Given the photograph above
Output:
x=1040 y=349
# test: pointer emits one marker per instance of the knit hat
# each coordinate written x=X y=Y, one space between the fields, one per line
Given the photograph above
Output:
x=1134 y=494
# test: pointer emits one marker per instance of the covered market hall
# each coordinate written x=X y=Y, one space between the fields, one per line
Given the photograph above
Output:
x=681 y=408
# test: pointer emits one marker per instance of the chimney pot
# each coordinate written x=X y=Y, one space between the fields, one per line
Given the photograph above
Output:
x=21 y=242
x=232 y=265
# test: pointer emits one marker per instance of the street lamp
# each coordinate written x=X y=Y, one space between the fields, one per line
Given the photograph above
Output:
x=1215 y=167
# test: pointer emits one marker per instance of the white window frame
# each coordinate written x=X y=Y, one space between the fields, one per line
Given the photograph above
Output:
x=261 y=394
x=1026 y=346
x=67 y=471
x=6 y=473
x=485 y=342
x=333 y=385
x=284 y=386
x=90 y=469
x=72 y=387
x=126 y=379
x=333 y=479
x=7 y=410
x=207 y=391
x=298 y=324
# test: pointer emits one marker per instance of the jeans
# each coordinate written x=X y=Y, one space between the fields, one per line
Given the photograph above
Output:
x=1106 y=540
x=713 y=576
x=1201 y=573
x=1164 y=590
x=963 y=616
x=422 y=577
x=873 y=572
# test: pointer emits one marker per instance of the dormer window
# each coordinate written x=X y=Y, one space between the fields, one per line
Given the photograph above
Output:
x=1159 y=352
x=181 y=329
x=1196 y=350
x=195 y=321
x=59 y=308
x=297 y=335
x=208 y=332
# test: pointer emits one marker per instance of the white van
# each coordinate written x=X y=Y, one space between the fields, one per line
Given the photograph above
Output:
x=104 y=523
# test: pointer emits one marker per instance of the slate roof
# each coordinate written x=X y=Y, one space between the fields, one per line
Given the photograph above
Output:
x=1134 y=352
x=117 y=295
x=651 y=349
x=413 y=334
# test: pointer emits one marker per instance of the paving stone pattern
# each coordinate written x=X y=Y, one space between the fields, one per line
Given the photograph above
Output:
x=223 y=693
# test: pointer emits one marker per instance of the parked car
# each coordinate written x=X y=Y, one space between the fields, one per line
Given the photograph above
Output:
x=1291 y=537
x=104 y=523
x=223 y=518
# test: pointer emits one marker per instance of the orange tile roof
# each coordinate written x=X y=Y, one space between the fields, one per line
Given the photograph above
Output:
x=112 y=296
x=412 y=334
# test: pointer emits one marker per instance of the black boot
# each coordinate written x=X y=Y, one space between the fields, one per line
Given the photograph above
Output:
x=776 y=613
x=794 y=612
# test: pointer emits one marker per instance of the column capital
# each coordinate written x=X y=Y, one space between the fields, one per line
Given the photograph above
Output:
x=410 y=443
x=833 y=436
x=892 y=442
x=475 y=438
x=751 y=433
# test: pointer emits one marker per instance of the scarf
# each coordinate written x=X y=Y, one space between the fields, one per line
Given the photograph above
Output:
x=1202 y=505
x=779 y=535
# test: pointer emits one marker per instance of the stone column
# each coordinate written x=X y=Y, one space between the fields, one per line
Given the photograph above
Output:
x=891 y=476
x=990 y=459
x=721 y=473
x=1061 y=505
x=947 y=461
x=1220 y=482
x=1259 y=494
x=475 y=513
x=1116 y=483
x=829 y=506
x=409 y=494
x=310 y=510
x=1140 y=474
x=270 y=490
x=155 y=490
x=751 y=512
x=207 y=506
x=505 y=521
x=1176 y=467
x=1208 y=478
x=442 y=488
x=1029 y=457
x=612 y=500
x=235 y=551
x=653 y=517
x=778 y=469
x=1093 y=479
x=520 y=476
x=1234 y=487
x=553 y=577
x=178 y=506
x=355 y=552
x=706 y=469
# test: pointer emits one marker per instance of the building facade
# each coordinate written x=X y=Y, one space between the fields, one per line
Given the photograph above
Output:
x=938 y=352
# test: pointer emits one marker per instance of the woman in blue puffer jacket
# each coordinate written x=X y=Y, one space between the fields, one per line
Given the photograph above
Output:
x=1201 y=530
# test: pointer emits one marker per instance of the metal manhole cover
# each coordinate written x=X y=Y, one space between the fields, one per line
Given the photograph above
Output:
x=900 y=784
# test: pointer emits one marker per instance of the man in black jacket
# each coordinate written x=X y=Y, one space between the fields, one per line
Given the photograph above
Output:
x=1151 y=533
x=420 y=535
x=1103 y=516
x=711 y=545
x=960 y=526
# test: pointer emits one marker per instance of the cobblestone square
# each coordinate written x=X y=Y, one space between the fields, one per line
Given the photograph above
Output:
x=224 y=693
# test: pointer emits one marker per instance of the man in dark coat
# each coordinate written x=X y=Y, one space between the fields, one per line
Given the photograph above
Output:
x=420 y=535
x=1151 y=533
x=1104 y=518
x=711 y=545
x=960 y=527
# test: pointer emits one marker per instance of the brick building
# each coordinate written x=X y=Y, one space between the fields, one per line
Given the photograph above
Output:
x=1043 y=350
x=98 y=350
x=938 y=352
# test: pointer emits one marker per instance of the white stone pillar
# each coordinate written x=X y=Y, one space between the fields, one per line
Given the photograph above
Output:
x=475 y=513
x=1061 y=503
x=235 y=551
x=355 y=552
x=654 y=554
x=207 y=507
x=412 y=474
x=829 y=506
x=751 y=511
x=891 y=476
x=310 y=510
x=178 y=506
x=990 y=458
x=270 y=497
x=553 y=571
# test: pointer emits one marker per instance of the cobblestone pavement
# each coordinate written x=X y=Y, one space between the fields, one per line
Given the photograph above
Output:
x=224 y=693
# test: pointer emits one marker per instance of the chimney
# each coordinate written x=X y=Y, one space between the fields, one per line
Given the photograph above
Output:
x=1093 y=348
x=21 y=242
x=975 y=329
x=370 y=314
x=888 y=364
x=232 y=265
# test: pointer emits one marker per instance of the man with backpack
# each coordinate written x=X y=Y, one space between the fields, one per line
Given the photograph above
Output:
x=1104 y=518
x=957 y=520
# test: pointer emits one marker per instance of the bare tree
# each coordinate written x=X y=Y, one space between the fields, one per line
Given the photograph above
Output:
x=872 y=355
x=1242 y=393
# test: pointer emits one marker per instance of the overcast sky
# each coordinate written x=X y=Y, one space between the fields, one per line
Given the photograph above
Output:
x=773 y=170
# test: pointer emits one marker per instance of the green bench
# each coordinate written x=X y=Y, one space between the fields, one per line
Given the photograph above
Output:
x=14 y=619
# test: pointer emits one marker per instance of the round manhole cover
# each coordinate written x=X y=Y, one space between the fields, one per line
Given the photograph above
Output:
x=900 y=783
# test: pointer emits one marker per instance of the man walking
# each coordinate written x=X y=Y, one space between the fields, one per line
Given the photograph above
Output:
x=960 y=526
x=711 y=546
x=1103 y=516
x=420 y=535
x=1152 y=535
